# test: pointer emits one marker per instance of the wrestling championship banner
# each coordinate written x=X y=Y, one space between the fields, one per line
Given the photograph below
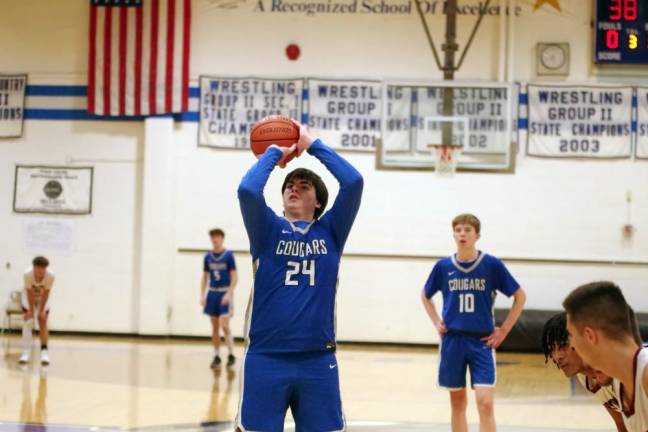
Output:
x=229 y=107
x=579 y=121
x=345 y=114
x=12 y=105
x=642 y=123
x=53 y=190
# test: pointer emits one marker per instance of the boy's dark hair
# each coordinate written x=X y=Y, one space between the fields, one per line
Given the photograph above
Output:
x=216 y=232
x=600 y=305
x=634 y=325
x=40 y=261
x=321 y=193
x=554 y=333
x=467 y=219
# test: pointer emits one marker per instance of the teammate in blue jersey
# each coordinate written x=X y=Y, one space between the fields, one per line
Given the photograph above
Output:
x=219 y=270
x=290 y=358
x=468 y=281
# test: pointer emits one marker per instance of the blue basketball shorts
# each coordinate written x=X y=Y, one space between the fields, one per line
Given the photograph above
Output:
x=213 y=305
x=307 y=383
x=458 y=352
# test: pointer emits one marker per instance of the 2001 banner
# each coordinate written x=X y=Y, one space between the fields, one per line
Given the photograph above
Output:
x=345 y=114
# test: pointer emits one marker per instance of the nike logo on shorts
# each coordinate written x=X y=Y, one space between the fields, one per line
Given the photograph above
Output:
x=332 y=366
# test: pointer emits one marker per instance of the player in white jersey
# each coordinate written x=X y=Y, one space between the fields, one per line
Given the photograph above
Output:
x=601 y=326
x=38 y=282
x=555 y=346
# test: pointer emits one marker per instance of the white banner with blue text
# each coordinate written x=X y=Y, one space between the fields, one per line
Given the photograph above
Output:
x=229 y=107
x=642 y=123
x=579 y=121
x=346 y=115
x=12 y=105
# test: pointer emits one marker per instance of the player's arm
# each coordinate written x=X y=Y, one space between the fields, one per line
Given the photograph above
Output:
x=227 y=298
x=499 y=334
x=430 y=309
x=644 y=381
x=347 y=203
x=256 y=214
x=231 y=267
x=617 y=418
x=44 y=298
x=429 y=289
x=203 y=287
x=31 y=298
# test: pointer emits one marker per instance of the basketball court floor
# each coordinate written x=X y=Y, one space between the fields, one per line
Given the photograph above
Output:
x=107 y=384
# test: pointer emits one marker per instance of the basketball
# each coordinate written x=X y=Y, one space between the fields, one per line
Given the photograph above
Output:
x=270 y=130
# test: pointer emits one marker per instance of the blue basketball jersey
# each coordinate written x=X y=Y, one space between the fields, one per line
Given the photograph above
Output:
x=292 y=306
x=218 y=266
x=469 y=291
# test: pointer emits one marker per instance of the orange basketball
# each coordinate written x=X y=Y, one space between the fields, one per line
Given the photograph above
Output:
x=270 y=130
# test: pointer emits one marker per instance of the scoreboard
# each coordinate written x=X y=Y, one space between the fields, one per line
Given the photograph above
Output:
x=621 y=32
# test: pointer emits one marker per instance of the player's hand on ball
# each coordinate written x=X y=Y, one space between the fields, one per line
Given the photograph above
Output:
x=495 y=339
x=305 y=138
x=227 y=298
x=441 y=328
x=287 y=152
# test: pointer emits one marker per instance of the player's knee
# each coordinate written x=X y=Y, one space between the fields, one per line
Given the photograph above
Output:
x=485 y=406
x=42 y=321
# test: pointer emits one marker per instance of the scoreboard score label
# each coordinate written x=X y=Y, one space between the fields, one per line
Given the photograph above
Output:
x=621 y=32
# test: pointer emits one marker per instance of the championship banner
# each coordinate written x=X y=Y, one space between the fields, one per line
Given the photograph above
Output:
x=642 y=123
x=54 y=190
x=398 y=110
x=480 y=112
x=346 y=115
x=579 y=121
x=229 y=107
x=12 y=105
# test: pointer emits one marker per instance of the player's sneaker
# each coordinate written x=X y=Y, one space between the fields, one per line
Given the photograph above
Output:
x=216 y=362
x=231 y=360
x=45 y=357
x=24 y=357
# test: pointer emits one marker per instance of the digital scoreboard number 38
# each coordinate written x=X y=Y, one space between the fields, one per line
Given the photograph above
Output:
x=621 y=32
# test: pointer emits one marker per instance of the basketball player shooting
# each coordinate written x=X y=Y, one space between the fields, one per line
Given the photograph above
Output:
x=290 y=358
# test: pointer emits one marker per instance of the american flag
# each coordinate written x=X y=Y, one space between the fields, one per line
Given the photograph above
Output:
x=138 y=57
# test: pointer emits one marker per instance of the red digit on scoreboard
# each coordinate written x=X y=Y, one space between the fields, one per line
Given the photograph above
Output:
x=630 y=10
x=615 y=10
x=612 y=39
x=626 y=9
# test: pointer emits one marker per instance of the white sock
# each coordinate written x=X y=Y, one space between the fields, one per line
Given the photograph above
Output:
x=217 y=352
x=229 y=340
x=28 y=326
